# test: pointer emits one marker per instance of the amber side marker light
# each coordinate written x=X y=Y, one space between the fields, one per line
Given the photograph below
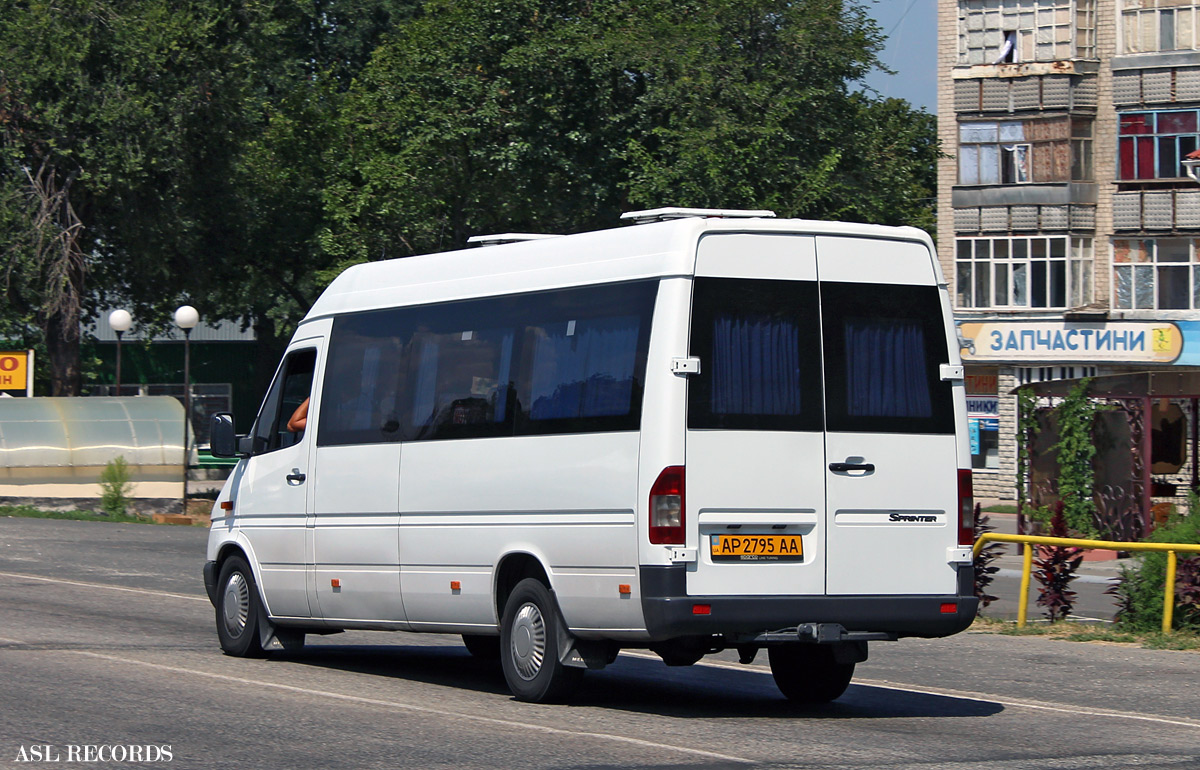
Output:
x=226 y=505
x=624 y=589
x=455 y=585
x=335 y=583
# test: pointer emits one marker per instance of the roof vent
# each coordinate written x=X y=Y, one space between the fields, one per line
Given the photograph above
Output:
x=662 y=215
x=499 y=238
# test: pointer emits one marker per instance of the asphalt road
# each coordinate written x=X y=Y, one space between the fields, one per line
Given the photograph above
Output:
x=106 y=639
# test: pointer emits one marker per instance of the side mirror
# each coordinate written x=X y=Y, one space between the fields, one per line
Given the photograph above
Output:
x=222 y=437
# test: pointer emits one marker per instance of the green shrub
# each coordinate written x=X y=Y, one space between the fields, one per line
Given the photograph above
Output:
x=984 y=571
x=1139 y=590
x=116 y=486
x=1056 y=568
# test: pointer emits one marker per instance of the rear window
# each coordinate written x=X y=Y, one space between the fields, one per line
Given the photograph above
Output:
x=765 y=348
x=884 y=345
x=758 y=342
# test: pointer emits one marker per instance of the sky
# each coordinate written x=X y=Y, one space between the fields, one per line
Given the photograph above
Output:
x=911 y=29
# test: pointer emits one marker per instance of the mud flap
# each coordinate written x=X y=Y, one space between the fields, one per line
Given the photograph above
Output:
x=266 y=631
x=582 y=653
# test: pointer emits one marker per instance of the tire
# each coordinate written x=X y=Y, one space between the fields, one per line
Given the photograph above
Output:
x=238 y=609
x=482 y=647
x=808 y=673
x=529 y=648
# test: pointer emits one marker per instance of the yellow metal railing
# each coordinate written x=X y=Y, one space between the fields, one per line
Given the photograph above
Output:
x=1170 y=548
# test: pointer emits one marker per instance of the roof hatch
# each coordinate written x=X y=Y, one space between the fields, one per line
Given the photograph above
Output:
x=499 y=238
x=662 y=215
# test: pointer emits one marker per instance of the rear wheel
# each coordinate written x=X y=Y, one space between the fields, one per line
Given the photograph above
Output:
x=809 y=673
x=529 y=648
x=482 y=647
x=238 y=609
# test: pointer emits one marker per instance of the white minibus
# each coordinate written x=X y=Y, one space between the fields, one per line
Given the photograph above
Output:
x=704 y=430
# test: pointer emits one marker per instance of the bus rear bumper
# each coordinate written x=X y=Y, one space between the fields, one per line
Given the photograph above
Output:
x=671 y=613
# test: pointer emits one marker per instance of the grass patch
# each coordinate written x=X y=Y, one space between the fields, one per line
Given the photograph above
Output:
x=29 y=512
x=1179 y=640
x=1104 y=633
x=1000 y=508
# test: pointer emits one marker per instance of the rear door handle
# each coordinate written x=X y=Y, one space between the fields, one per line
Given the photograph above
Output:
x=296 y=477
x=843 y=467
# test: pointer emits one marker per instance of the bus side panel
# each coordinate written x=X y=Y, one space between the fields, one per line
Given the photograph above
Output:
x=664 y=408
x=356 y=573
x=567 y=500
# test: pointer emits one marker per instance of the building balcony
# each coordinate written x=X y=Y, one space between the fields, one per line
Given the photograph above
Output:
x=1156 y=210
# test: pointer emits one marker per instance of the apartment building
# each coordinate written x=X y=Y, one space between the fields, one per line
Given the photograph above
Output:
x=1067 y=224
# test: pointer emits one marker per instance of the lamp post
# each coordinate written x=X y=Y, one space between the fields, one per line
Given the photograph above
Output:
x=186 y=319
x=120 y=321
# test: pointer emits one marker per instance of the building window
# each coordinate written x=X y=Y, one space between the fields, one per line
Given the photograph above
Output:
x=983 y=418
x=1023 y=151
x=1152 y=144
x=1081 y=150
x=1156 y=274
x=1158 y=25
x=997 y=31
x=1024 y=272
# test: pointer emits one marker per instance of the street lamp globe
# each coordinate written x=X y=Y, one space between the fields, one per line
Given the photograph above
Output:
x=120 y=321
x=186 y=317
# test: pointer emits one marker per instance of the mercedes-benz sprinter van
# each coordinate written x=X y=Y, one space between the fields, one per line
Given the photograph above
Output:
x=704 y=430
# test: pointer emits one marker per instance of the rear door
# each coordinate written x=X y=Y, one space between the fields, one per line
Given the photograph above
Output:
x=755 y=444
x=821 y=454
x=890 y=444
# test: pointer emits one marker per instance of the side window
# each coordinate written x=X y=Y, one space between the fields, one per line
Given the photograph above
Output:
x=460 y=381
x=291 y=388
x=583 y=359
x=360 y=399
x=884 y=345
x=759 y=346
x=565 y=361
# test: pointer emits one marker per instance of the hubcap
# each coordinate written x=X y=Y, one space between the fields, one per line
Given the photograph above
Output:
x=528 y=641
x=236 y=606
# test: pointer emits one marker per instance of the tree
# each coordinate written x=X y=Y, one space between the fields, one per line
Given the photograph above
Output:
x=238 y=154
x=555 y=116
x=101 y=101
x=186 y=138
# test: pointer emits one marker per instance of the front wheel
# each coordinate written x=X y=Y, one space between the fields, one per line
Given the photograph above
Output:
x=529 y=648
x=238 y=609
x=809 y=673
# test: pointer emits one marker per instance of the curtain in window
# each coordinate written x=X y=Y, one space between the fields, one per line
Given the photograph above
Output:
x=425 y=392
x=885 y=369
x=358 y=406
x=504 y=380
x=584 y=369
x=755 y=366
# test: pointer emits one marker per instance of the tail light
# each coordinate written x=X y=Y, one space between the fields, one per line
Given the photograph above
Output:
x=966 y=508
x=666 y=507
